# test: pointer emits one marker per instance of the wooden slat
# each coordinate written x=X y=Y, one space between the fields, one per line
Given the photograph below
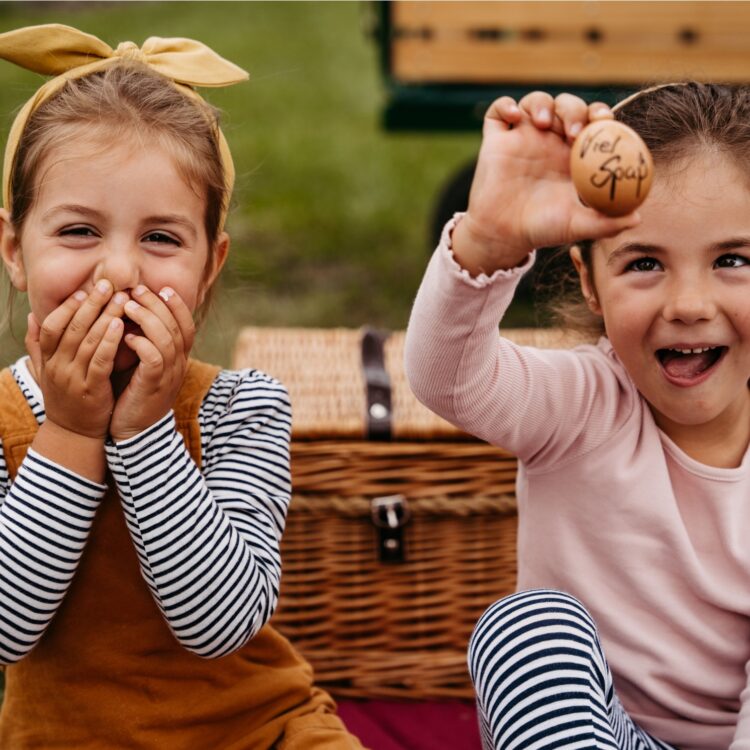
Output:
x=627 y=16
x=549 y=41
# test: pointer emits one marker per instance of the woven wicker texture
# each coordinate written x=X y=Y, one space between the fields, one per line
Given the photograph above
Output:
x=372 y=629
x=322 y=370
x=413 y=469
x=396 y=630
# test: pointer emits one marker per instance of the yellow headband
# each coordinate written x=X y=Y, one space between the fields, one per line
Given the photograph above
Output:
x=66 y=53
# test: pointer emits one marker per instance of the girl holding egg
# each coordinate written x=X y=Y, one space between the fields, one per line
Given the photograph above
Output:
x=631 y=624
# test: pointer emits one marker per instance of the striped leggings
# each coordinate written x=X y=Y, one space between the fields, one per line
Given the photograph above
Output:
x=542 y=681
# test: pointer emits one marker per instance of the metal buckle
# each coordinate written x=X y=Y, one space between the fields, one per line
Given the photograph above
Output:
x=389 y=515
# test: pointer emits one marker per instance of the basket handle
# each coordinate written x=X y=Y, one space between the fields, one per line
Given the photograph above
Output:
x=377 y=385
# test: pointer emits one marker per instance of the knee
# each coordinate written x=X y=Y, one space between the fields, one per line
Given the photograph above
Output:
x=527 y=619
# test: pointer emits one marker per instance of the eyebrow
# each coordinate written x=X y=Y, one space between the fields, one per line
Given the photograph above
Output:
x=70 y=208
x=640 y=248
x=632 y=248
x=156 y=219
x=173 y=219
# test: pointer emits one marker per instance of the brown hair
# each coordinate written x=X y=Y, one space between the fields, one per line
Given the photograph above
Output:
x=127 y=100
x=673 y=120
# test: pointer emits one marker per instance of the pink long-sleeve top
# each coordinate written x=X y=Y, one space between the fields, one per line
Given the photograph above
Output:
x=654 y=543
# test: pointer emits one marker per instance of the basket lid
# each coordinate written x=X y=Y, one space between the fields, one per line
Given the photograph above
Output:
x=323 y=371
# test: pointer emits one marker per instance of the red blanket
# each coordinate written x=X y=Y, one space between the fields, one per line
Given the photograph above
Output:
x=396 y=725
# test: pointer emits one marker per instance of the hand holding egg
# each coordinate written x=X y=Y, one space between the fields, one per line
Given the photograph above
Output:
x=611 y=167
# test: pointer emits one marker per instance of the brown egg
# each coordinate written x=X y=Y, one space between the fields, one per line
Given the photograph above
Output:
x=611 y=167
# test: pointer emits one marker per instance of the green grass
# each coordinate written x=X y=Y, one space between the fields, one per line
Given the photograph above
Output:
x=330 y=225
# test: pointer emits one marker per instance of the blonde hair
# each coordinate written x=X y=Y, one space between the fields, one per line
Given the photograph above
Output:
x=127 y=98
x=124 y=100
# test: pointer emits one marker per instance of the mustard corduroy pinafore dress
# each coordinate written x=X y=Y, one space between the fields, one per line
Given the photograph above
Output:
x=109 y=674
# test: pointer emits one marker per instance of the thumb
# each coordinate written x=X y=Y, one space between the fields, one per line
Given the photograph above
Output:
x=592 y=225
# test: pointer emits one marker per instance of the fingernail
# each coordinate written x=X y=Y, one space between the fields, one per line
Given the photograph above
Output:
x=544 y=115
x=115 y=323
x=167 y=293
x=120 y=298
x=131 y=306
x=80 y=296
x=139 y=290
x=575 y=129
x=102 y=286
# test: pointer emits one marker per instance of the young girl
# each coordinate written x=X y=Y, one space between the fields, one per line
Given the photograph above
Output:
x=633 y=482
x=142 y=494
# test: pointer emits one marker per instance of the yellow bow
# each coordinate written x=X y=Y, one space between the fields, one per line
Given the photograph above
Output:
x=66 y=53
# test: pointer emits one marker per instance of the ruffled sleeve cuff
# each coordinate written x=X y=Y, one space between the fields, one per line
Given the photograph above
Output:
x=445 y=251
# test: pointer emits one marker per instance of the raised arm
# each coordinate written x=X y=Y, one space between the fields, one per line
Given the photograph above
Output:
x=208 y=541
x=46 y=514
x=522 y=198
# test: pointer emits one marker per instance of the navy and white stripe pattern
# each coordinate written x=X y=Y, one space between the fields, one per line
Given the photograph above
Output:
x=207 y=541
x=542 y=681
x=45 y=519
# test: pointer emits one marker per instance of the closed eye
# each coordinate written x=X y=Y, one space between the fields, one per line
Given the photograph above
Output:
x=161 y=238
x=77 y=231
x=731 y=260
x=643 y=265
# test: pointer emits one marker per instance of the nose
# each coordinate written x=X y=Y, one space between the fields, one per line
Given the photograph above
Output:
x=120 y=264
x=690 y=300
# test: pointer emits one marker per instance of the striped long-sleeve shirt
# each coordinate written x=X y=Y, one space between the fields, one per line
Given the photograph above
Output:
x=207 y=537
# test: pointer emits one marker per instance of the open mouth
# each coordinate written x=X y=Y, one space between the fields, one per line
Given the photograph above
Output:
x=689 y=366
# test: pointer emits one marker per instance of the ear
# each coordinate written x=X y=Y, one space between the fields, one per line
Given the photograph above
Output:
x=10 y=252
x=218 y=258
x=587 y=283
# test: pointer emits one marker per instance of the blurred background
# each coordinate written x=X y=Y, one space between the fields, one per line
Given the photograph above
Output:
x=349 y=157
x=356 y=135
x=331 y=222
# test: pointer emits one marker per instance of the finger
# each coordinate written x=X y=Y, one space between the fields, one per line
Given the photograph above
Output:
x=600 y=111
x=102 y=360
x=157 y=304
x=504 y=112
x=53 y=327
x=95 y=334
x=151 y=367
x=573 y=112
x=182 y=315
x=33 y=331
x=540 y=106
x=154 y=329
x=84 y=318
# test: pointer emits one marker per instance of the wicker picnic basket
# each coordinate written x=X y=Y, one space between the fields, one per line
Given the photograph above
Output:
x=397 y=538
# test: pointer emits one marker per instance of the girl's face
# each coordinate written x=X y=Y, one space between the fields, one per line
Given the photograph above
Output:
x=675 y=295
x=122 y=213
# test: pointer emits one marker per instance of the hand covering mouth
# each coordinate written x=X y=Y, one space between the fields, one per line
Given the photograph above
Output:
x=689 y=363
x=131 y=326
